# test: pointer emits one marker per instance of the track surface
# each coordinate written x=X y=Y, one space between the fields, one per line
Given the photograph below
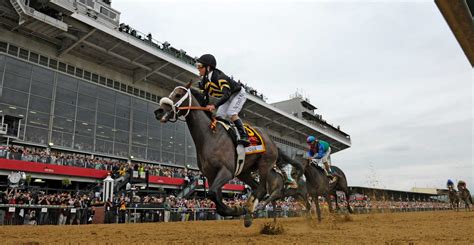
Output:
x=443 y=227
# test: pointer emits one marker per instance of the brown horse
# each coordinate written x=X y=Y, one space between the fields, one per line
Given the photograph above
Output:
x=216 y=152
x=276 y=185
x=318 y=184
x=464 y=195
x=453 y=197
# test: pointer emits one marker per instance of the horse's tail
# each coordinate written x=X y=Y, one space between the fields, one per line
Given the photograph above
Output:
x=284 y=159
x=338 y=171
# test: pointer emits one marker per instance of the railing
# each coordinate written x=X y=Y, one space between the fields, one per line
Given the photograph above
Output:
x=17 y=214
x=25 y=12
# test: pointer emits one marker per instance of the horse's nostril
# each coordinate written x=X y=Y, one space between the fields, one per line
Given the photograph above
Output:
x=159 y=113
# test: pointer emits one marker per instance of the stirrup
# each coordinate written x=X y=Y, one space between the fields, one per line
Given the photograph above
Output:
x=243 y=141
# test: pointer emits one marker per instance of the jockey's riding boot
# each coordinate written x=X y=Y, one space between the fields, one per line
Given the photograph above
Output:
x=326 y=172
x=330 y=175
x=290 y=182
x=244 y=139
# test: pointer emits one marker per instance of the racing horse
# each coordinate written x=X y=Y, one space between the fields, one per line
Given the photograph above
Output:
x=464 y=195
x=318 y=184
x=340 y=185
x=453 y=198
x=276 y=188
x=216 y=154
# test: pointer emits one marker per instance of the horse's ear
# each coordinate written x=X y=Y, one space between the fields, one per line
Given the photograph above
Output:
x=190 y=83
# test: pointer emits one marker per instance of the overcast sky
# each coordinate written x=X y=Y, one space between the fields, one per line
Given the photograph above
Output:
x=390 y=73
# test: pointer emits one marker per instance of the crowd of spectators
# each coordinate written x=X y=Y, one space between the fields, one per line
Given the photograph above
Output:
x=56 y=209
x=42 y=155
x=79 y=208
x=367 y=203
x=149 y=40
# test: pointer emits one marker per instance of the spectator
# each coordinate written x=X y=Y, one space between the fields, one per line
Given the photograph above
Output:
x=63 y=213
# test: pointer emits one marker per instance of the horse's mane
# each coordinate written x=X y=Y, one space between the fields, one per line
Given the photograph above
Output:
x=200 y=99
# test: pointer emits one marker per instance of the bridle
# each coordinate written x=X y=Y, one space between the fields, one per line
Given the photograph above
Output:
x=176 y=107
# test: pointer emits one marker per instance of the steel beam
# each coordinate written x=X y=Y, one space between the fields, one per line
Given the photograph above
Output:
x=141 y=75
x=66 y=50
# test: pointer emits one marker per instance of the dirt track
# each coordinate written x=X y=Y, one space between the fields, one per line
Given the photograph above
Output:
x=446 y=227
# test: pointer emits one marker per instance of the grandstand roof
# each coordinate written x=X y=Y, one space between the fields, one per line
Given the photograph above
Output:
x=460 y=14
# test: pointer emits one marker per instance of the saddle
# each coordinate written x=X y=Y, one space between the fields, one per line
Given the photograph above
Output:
x=318 y=167
x=257 y=145
x=256 y=142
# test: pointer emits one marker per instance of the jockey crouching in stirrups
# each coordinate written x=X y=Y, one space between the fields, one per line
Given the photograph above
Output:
x=450 y=183
x=320 y=152
x=230 y=93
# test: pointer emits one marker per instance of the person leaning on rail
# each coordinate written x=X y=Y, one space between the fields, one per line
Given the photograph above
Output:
x=230 y=93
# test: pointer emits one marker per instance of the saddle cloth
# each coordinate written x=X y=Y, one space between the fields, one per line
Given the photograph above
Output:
x=257 y=145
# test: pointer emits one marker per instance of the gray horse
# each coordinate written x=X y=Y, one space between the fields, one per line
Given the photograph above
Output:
x=464 y=195
x=453 y=197
x=216 y=154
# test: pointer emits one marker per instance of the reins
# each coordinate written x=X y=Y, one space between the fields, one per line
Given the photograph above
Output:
x=213 y=124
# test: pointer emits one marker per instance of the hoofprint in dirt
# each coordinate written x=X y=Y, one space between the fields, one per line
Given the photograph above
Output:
x=442 y=227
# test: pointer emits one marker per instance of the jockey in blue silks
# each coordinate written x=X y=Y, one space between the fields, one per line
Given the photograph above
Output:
x=320 y=152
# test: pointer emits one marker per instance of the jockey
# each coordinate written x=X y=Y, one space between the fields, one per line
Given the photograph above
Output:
x=230 y=93
x=450 y=183
x=462 y=184
x=320 y=152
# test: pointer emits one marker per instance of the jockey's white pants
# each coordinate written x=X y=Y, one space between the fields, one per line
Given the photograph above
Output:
x=233 y=106
x=325 y=158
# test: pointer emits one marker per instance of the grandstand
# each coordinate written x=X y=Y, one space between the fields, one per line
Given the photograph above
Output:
x=75 y=81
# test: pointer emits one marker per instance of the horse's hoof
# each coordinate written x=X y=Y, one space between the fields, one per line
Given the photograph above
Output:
x=248 y=220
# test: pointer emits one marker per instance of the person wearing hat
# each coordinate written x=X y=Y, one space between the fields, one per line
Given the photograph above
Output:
x=230 y=94
x=320 y=152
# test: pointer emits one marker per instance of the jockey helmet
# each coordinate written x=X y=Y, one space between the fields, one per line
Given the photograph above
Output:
x=310 y=139
x=450 y=182
x=208 y=60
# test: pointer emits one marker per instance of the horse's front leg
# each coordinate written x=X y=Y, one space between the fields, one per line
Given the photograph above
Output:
x=215 y=194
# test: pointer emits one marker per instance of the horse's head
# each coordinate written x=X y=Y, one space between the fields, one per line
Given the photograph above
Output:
x=169 y=106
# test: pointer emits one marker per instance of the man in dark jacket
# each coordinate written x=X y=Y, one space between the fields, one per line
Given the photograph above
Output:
x=231 y=96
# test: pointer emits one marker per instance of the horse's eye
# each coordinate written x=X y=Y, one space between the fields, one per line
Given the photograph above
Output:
x=178 y=96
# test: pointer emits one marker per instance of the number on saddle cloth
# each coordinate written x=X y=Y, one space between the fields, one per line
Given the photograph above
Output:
x=254 y=138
